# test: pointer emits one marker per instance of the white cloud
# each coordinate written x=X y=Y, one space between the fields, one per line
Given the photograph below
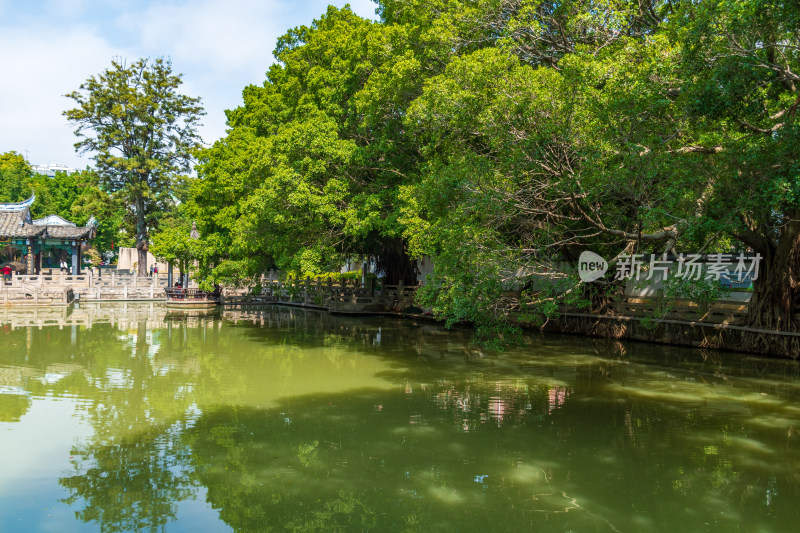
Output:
x=219 y=46
x=66 y=9
x=225 y=37
x=37 y=72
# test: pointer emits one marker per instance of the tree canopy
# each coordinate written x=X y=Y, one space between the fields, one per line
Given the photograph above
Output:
x=637 y=127
x=502 y=138
x=75 y=196
x=15 y=174
x=309 y=173
x=143 y=134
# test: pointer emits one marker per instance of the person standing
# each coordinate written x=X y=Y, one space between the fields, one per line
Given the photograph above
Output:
x=7 y=273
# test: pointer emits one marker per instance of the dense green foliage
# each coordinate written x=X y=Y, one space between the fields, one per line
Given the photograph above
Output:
x=15 y=175
x=309 y=173
x=500 y=138
x=173 y=242
x=143 y=134
x=637 y=128
x=75 y=197
x=503 y=137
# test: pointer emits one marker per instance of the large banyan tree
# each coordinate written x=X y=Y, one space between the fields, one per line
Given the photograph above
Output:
x=502 y=136
x=640 y=126
x=309 y=172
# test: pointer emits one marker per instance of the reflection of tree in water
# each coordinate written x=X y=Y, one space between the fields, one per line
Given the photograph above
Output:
x=133 y=472
x=13 y=406
x=371 y=334
x=382 y=461
x=260 y=481
x=133 y=484
x=572 y=425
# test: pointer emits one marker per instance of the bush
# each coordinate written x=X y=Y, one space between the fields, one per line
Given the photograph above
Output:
x=336 y=276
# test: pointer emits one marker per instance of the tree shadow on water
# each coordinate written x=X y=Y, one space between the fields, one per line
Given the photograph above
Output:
x=374 y=460
x=298 y=434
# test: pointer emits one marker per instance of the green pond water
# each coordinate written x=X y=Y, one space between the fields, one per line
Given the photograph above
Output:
x=127 y=417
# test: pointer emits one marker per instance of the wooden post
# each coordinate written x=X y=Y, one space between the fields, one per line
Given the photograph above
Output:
x=305 y=291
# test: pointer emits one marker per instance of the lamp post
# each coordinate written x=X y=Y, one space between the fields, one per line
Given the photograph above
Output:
x=194 y=235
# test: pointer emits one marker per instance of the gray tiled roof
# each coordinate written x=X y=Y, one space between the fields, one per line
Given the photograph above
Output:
x=68 y=232
x=10 y=227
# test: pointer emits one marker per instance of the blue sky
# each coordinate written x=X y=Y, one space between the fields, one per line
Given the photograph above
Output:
x=47 y=48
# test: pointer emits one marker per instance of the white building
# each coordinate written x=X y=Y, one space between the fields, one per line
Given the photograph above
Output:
x=50 y=169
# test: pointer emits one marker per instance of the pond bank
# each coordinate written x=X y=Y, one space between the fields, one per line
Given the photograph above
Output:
x=668 y=331
x=697 y=334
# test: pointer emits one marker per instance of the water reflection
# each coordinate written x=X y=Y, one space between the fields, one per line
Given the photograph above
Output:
x=282 y=418
x=131 y=483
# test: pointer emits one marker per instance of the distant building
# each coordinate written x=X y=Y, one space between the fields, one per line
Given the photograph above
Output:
x=43 y=242
x=50 y=169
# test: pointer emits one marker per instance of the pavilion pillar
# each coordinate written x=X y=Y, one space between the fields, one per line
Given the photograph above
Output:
x=30 y=263
x=75 y=259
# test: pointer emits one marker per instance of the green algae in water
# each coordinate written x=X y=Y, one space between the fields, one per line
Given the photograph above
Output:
x=278 y=419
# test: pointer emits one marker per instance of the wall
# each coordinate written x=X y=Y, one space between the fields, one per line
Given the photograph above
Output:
x=129 y=256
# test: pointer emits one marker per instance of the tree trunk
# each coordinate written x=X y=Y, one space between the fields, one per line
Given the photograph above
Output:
x=396 y=264
x=141 y=254
x=142 y=246
x=776 y=293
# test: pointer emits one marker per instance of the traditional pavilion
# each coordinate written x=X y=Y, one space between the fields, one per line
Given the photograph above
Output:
x=51 y=237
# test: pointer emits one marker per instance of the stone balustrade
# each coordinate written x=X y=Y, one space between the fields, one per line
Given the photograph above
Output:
x=337 y=295
x=53 y=287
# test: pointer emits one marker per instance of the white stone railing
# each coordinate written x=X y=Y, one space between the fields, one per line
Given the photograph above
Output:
x=86 y=280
